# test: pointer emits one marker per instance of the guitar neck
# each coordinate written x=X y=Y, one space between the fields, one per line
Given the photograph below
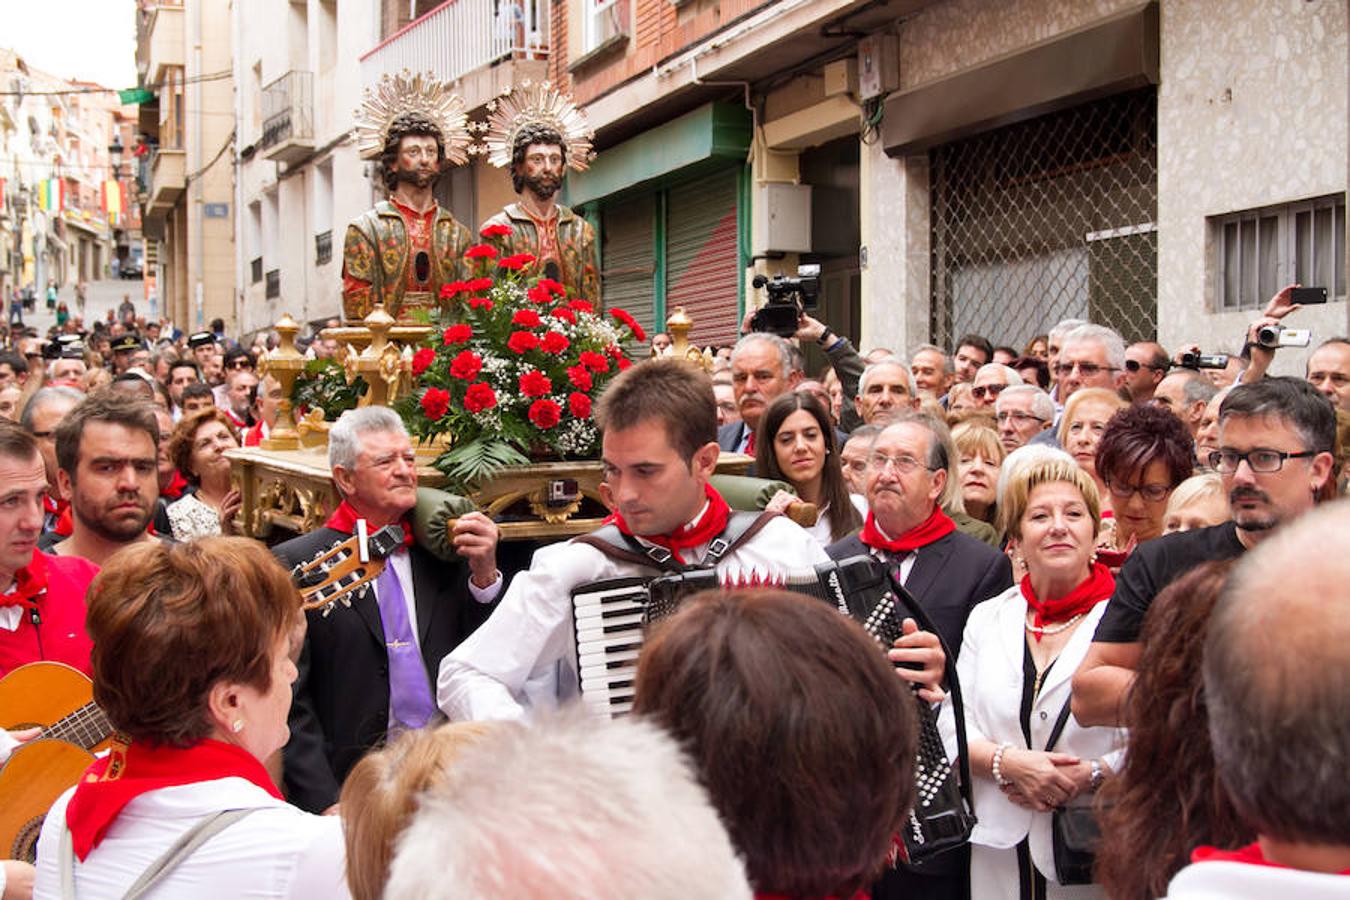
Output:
x=86 y=727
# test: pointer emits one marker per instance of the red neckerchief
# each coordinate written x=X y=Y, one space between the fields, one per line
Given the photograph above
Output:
x=1250 y=855
x=61 y=509
x=129 y=771
x=30 y=581
x=176 y=487
x=936 y=526
x=709 y=525
x=1097 y=587
x=344 y=519
x=254 y=436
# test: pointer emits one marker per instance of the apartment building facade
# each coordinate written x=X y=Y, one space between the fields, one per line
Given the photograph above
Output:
x=184 y=57
x=958 y=165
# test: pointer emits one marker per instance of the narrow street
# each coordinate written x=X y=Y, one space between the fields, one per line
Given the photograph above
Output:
x=104 y=296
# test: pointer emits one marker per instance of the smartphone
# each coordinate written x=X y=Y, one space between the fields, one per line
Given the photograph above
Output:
x=1307 y=296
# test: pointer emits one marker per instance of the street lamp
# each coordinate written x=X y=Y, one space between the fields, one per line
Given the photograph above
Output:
x=115 y=150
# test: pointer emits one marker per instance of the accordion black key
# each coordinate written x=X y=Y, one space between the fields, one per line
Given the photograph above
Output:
x=610 y=617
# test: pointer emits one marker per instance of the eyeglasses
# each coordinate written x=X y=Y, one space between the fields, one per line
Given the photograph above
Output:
x=239 y=364
x=1018 y=418
x=1151 y=492
x=1087 y=370
x=987 y=390
x=1261 y=460
x=903 y=465
x=1134 y=365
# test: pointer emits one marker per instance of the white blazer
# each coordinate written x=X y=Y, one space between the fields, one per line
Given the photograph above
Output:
x=990 y=670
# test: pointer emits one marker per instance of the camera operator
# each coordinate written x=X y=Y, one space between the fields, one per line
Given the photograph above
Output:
x=785 y=296
x=1328 y=367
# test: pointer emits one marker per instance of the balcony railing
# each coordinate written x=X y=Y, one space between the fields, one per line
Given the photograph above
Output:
x=323 y=247
x=288 y=117
x=460 y=36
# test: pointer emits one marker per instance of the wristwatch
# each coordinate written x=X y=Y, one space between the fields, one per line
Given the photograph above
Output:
x=1097 y=777
x=825 y=338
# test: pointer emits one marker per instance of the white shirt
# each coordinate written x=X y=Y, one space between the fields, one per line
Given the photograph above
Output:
x=991 y=673
x=906 y=565
x=1227 y=880
x=524 y=656
x=277 y=852
x=10 y=616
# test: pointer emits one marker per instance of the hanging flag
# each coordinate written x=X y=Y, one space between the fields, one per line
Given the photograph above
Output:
x=51 y=194
x=114 y=197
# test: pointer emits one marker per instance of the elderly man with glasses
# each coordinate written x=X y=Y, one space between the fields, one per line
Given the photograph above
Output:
x=990 y=381
x=1090 y=356
x=910 y=473
x=1022 y=412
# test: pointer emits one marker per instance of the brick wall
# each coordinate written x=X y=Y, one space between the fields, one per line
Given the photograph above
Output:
x=659 y=30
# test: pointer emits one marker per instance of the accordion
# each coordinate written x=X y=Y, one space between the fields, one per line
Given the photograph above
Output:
x=610 y=617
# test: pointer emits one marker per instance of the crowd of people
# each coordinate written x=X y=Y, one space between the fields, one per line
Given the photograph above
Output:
x=1127 y=631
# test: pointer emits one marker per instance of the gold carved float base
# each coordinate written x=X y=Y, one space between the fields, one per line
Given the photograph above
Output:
x=292 y=491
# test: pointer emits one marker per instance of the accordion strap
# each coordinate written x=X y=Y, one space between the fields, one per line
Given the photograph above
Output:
x=925 y=622
x=609 y=540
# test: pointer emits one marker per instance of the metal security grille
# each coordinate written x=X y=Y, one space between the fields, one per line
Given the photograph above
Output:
x=1048 y=219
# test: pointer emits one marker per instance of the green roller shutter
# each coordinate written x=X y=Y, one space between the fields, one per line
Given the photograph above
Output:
x=702 y=262
x=627 y=256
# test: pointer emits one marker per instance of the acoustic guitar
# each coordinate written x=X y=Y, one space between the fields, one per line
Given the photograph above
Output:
x=59 y=700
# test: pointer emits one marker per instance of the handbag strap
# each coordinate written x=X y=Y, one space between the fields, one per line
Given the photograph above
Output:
x=1059 y=726
x=166 y=862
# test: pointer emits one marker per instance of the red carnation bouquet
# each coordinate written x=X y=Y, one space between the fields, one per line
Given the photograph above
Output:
x=513 y=368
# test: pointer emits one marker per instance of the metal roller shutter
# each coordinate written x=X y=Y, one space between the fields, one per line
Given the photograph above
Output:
x=702 y=262
x=627 y=256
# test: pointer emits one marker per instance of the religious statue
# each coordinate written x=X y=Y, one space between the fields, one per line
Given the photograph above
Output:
x=539 y=133
x=403 y=250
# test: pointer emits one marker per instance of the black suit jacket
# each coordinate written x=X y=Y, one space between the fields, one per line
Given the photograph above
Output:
x=949 y=577
x=340 y=707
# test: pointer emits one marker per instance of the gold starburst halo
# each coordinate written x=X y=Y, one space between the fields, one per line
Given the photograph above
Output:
x=409 y=92
x=534 y=104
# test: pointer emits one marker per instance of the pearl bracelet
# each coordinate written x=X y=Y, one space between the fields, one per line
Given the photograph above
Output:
x=994 y=765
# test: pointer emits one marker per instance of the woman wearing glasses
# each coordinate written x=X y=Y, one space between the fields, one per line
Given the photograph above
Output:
x=1145 y=452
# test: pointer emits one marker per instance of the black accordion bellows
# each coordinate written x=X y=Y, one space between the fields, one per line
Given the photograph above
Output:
x=610 y=617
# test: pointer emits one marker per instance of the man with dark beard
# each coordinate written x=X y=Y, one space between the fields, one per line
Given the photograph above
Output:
x=107 y=458
x=403 y=250
x=561 y=241
x=1276 y=438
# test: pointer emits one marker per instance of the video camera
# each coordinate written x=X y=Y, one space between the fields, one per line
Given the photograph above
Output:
x=1192 y=360
x=788 y=299
x=1272 y=337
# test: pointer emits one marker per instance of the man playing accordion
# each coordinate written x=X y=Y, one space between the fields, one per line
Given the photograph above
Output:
x=659 y=448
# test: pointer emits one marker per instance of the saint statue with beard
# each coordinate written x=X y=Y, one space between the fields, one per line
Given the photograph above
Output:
x=562 y=241
x=403 y=250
